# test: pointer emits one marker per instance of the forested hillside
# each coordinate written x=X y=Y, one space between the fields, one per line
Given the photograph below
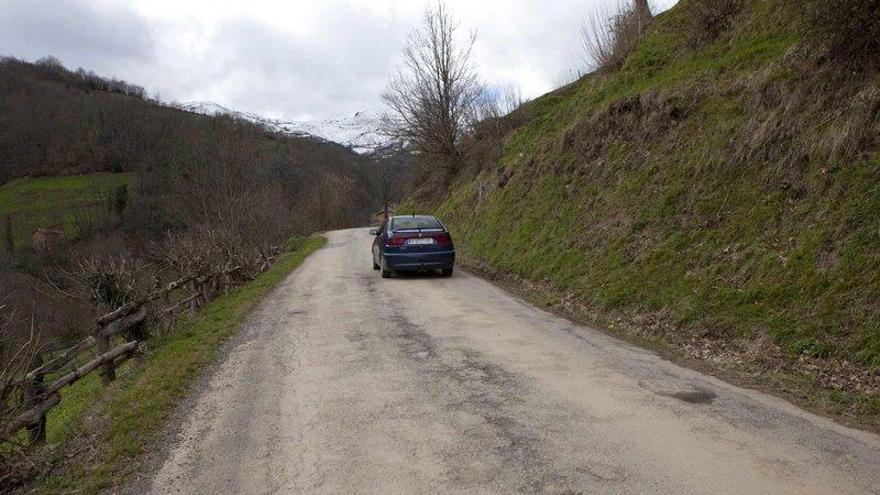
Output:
x=58 y=122
x=117 y=171
x=107 y=195
x=715 y=190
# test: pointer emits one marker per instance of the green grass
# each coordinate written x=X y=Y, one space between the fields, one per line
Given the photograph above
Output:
x=731 y=222
x=57 y=201
x=133 y=411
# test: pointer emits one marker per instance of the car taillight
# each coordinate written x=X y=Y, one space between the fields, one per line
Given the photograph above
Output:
x=396 y=241
x=442 y=239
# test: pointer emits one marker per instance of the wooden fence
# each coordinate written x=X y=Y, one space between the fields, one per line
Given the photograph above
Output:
x=98 y=352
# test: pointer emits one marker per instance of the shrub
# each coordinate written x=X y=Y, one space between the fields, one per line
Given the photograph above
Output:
x=295 y=243
x=848 y=31
x=713 y=17
x=609 y=39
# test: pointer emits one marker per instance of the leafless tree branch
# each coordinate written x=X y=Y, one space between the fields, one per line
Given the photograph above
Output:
x=433 y=94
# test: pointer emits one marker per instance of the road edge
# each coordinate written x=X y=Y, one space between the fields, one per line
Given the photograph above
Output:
x=775 y=383
x=124 y=433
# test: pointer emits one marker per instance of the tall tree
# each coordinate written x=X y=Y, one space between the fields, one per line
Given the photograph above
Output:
x=432 y=94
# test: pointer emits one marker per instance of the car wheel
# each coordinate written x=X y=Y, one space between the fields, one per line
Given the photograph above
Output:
x=376 y=266
x=447 y=272
x=385 y=273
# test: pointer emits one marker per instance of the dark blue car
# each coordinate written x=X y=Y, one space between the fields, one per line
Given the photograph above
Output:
x=413 y=243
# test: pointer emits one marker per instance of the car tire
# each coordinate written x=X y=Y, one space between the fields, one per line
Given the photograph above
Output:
x=376 y=266
x=385 y=273
x=446 y=272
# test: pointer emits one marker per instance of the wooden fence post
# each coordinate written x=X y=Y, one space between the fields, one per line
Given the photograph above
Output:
x=138 y=333
x=108 y=372
x=33 y=392
x=194 y=304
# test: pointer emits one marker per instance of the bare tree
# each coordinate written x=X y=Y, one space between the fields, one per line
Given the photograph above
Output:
x=18 y=355
x=496 y=102
x=495 y=109
x=388 y=188
x=432 y=95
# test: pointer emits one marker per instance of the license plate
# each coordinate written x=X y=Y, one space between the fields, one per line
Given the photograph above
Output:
x=420 y=241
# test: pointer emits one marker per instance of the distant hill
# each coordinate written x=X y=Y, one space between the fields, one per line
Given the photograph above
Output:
x=119 y=174
x=61 y=122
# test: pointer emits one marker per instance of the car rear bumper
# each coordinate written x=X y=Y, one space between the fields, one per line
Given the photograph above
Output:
x=419 y=261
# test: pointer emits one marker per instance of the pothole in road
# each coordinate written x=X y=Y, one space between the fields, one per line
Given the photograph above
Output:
x=694 y=396
x=682 y=391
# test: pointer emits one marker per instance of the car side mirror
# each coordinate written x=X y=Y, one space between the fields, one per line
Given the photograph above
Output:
x=374 y=232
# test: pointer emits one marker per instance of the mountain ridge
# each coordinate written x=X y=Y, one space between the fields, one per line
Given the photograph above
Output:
x=358 y=131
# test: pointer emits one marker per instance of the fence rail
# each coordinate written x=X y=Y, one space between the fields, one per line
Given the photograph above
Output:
x=129 y=320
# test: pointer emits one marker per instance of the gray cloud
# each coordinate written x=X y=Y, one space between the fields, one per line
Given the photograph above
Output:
x=297 y=58
x=270 y=69
x=110 y=40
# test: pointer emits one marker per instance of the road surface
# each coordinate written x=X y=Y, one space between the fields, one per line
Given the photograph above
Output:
x=346 y=383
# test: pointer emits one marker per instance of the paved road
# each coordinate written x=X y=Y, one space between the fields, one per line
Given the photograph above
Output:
x=346 y=383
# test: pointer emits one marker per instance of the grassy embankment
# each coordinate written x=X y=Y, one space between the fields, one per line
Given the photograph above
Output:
x=64 y=201
x=721 y=196
x=117 y=424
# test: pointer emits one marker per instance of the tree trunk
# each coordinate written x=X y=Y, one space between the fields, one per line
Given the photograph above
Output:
x=108 y=373
x=643 y=9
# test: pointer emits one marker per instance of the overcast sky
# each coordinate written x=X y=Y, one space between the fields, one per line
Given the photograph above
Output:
x=292 y=59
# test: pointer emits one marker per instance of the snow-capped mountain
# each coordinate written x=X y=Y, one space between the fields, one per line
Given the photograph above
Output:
x=358 y=132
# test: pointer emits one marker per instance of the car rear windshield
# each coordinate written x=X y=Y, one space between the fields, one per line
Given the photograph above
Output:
x=414 y=223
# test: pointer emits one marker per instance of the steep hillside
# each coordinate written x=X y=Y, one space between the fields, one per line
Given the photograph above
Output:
x=719 y=194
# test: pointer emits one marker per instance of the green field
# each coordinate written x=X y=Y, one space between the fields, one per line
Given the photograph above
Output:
x=71 y=202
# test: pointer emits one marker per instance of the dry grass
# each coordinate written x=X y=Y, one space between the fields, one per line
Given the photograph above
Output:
x=609 y=38
x=731 y=186
x=848 y=30
x=714 y=17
